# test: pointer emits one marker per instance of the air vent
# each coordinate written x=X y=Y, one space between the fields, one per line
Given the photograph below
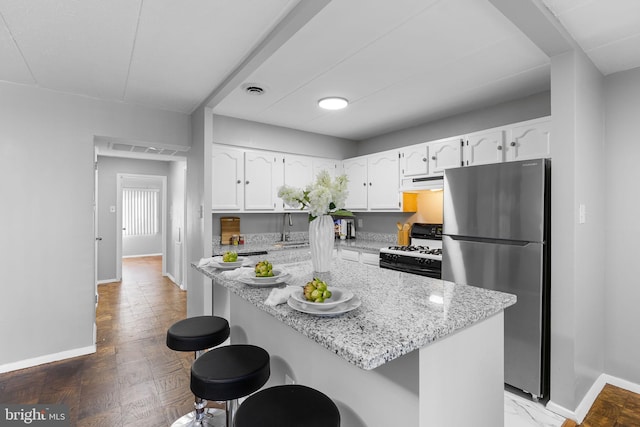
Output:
x=253 y=89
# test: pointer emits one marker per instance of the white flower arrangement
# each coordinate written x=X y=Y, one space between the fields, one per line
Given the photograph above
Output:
x=324 y=196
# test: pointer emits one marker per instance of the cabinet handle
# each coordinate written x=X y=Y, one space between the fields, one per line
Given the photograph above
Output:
x=246 y=182
x=499 y=147
x=238 y=182
x=364 y=183
x=433 y=157
x=513 y=143
x=369 y=183
x=424 y=159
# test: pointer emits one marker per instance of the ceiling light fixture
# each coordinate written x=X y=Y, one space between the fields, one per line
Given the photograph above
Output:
x=333 y=103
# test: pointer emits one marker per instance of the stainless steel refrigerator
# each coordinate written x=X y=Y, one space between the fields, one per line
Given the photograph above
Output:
x=496 y=236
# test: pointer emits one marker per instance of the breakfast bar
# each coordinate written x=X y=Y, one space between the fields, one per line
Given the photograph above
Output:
x=403 y=354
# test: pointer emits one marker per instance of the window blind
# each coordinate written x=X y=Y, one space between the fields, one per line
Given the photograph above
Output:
x=139 y=211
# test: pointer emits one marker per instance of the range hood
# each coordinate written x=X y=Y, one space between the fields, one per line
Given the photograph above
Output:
x=408 y=185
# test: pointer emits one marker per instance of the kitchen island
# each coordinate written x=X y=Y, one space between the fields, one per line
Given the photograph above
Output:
x=417 y=352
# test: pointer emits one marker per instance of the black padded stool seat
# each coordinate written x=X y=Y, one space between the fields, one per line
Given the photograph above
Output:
x=197 y=333
x=288 y=406
x=230 y=372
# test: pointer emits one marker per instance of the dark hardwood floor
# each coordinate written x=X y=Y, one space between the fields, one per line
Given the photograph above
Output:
x=614 y=407
x=133 y=378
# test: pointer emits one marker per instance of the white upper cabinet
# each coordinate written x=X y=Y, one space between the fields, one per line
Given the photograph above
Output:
x=445 y=154
x=329 y=165
x=227 y=178
x=383 y=171
x=529 y=140
x=414 y=160
x=263 y=174
x=374 y=181
x=356 y=171
x=298 y=170
x=484 y=147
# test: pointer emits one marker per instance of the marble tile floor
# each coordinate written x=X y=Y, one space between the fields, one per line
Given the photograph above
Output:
x=521 y=412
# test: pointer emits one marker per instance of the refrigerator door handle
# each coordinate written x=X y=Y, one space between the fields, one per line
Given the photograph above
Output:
x=488 y=240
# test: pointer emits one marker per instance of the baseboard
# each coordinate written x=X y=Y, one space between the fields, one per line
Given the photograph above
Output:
x=48 y=358
x=141 y=256
x=173 y=279
x=105 y=281
x=587 y=401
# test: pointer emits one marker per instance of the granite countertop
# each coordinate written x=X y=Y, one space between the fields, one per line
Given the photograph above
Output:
x=274 y=246
x=400 y=312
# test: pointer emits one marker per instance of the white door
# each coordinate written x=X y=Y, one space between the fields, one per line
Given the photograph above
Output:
x=356 y=171
x=260 y=181
x=227 y=173
x=484 y=147
x=384 y=180
x=444 y=154
x=329 y=165
x=530 y=140
x=415 y=160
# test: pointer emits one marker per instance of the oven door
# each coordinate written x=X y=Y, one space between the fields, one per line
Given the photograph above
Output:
x=408 y=264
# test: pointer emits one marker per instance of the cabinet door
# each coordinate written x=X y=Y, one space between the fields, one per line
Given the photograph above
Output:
x=227 y=173
x=530 y=140
x=384 y=180
x=484 y=147
x=261 y=180
x=415 y=160
x=445 y=154
x=356 y=171
x=329 y=165
x=298 y=172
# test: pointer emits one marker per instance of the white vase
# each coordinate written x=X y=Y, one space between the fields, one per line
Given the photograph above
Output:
x=321 y=237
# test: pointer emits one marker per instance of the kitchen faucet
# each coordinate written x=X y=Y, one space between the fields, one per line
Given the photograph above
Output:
x=286 y=231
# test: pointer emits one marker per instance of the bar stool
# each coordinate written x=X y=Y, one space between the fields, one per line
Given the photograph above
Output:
x=288 y=406
x=229 y=373
x=197 y=334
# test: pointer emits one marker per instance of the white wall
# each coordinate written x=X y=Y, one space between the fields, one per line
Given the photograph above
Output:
x=577 y=272
x=531 y=107
x=243 y=133
x=46 y=186
x=108 y=168
x=622 y=296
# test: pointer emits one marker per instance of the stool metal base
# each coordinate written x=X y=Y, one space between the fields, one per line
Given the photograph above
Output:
x=212 y=417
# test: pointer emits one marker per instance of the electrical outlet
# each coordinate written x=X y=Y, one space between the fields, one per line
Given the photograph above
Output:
x=359 y=222
x=582 y=213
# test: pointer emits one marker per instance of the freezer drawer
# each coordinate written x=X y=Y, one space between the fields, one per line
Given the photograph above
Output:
x=516 y=269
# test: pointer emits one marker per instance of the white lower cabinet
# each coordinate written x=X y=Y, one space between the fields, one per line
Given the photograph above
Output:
x=360 y=256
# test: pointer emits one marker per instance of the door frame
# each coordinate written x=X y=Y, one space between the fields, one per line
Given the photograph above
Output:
x=163 y=225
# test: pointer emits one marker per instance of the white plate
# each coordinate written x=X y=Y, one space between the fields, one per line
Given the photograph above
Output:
x=338 y=296
x=251 y=281
x=345 y=307
x=235 y=264
x=271 y=279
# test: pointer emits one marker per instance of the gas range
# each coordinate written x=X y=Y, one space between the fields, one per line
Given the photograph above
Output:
x=423 y=256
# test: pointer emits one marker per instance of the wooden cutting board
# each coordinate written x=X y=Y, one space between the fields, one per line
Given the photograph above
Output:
x=229 y=225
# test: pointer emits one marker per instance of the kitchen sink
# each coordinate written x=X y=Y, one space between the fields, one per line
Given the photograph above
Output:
x=299 y=244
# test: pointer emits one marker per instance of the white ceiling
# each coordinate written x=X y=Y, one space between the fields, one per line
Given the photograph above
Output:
x=400 y=63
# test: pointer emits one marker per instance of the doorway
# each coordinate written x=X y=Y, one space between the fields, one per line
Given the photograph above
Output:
x=141 y=217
